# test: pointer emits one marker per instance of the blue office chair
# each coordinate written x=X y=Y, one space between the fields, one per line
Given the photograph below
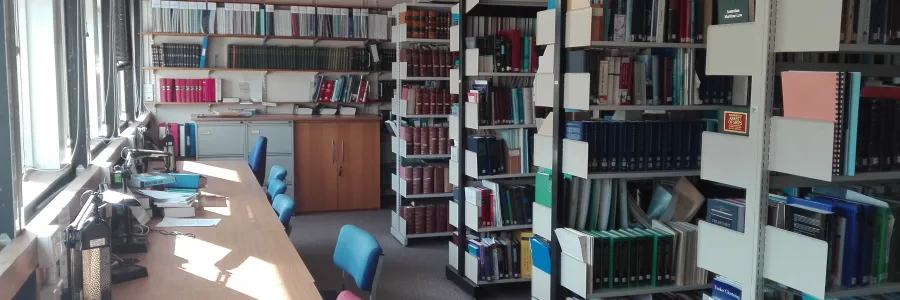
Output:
x=277 y=172
x=276 y=187
x=284 y=208
x=257 y=159
x=358 y=253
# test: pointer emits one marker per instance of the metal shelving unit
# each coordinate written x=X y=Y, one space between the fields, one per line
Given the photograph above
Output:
x=457 y=270
x=398 y=110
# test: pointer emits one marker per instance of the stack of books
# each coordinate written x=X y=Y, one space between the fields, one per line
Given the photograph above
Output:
x=870 y=22
x=268 y=20
x=500 y=204
x=502 y=106
x=620 y=146
x=432 y=178
x=427 y=60
x=652 y=77
x=190 y=90
x=426 y=24
x=432 y=139
x=346 y=88
x=298 y=58
x=864 y=112
x=501 y=255
x=425 y=218
x=427 y=100
x=507 y=151
x=662 y=254
x=857 y=227
x=657 y=21
x=172 y=55
x=174 y=203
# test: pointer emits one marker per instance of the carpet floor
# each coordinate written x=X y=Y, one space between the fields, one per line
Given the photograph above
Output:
x=412 y=272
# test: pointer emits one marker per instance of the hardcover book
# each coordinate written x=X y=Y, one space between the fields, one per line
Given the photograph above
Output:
x=733 y=11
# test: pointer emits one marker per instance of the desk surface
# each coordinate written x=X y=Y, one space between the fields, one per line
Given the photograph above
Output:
x=248 y=255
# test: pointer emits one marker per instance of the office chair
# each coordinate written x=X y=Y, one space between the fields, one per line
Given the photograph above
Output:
x=277 y=172
x=358 y=253
x=276 y=187
x=257 y=159
x=284 y=208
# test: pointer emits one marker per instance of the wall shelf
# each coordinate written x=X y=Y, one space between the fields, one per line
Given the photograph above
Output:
x=254 y=36
x=258 y=70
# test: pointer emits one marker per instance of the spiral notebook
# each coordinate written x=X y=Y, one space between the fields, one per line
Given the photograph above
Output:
x=831 y=97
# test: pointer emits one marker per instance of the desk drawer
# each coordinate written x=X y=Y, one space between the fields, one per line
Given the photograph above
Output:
x=280 y=137
x=220 y=140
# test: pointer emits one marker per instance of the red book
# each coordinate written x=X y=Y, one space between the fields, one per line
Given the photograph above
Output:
x=197 y=89
x=515 y=37
x=173 y=131
x=363 y=93
x=416 y=131
x=685 y=20
x=885 y=92
x=430 y=218
x=179 y=90
x=438 y=179
x=432 y=94
x=329 y=89
x=433 y=144
x=428 y=180
x=424 y=138
x=623 y=80
x=295 y=24
x=442 y=214
x=163 y=88
x=443 y=133
x=406 y=175
x=190 y=90
x=417 y=180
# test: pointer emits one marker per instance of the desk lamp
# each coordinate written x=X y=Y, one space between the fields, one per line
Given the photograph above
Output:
x=88 y=246
x=122 y=223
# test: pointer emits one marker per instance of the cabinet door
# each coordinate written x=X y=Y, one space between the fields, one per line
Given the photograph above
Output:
x=359 y=176
x=316 y=152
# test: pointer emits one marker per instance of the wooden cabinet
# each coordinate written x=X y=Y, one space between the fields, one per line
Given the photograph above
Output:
x=337 y=165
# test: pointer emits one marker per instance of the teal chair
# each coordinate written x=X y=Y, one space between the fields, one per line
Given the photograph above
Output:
x=358 y=254
x=277 y=172
x=276 y=187
x=284 y=208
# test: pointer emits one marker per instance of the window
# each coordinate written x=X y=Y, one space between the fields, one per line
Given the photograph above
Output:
x=44 y=123
x=96 y=82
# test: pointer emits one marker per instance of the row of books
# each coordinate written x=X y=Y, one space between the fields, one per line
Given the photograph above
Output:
x=427 y=100
x=662 y=254
x=430 y=178
x=433 y=139
x=503 y=255
x=346 y=88
x=864 y=113
x=178 y=139
x=652 y=77
x=299 y=58
x=426 y=24
x=426 y=218
x=501 y=204
x=507 y=151
x=386 y=90
x=386 y=59
x=870 y=22
x=269 y=20
x=727 y=212
x=502 y=106
x=619 y=146
x=428 y=61
x=508 y=51
x=858 y=228
x=484 y=26
x=654 y=21
x=178 y=55
x=840 y=57
x=190 y=90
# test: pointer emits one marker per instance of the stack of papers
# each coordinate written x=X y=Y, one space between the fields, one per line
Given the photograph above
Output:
x=170 y=198
x=178 y=222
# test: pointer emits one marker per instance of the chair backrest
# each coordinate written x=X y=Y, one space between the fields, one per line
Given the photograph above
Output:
x=276 y=187
x=277 y=172
x=358 y=253
x=257 y=159
x=284 y=208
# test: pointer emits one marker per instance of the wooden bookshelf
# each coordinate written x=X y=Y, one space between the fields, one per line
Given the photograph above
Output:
x=257 y=70
x=256 y=36
x=285 y=3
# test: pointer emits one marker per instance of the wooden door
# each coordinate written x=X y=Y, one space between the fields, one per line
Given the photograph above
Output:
x=359 y=176
x=316 y=161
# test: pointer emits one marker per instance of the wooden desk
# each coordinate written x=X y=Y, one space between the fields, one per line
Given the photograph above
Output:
x=248 y=255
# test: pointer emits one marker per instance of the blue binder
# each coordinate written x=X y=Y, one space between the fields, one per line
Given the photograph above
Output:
x=540 y=254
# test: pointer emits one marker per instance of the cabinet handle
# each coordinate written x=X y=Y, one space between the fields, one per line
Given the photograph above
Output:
x=332 y=151
x=342 y=152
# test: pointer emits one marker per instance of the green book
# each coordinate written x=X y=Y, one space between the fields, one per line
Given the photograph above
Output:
x=733 y=11
x=620 y=265
x=542 y=184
